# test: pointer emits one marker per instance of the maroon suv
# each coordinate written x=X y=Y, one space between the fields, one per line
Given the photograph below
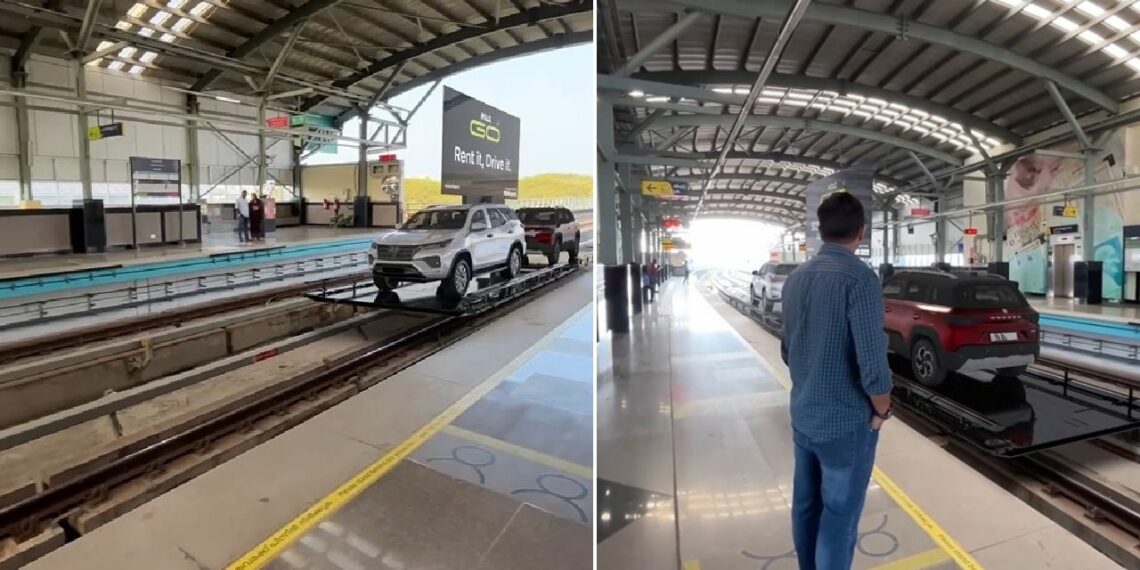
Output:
x=959 y=322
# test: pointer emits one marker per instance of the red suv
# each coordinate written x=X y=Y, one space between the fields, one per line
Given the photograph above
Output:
x=959 y=322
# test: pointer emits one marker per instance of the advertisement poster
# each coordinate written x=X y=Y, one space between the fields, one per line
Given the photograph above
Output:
x=859 y=182
x=1027 y=224
x=480 y=148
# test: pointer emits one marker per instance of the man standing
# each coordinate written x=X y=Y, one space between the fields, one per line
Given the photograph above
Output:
x=242 y=209
x=836 y=350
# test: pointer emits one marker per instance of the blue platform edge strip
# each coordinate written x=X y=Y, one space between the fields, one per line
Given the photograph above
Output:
x=35 y=285
x=1126 y=331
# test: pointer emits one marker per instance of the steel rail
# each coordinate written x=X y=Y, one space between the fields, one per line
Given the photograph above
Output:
x=79 y=336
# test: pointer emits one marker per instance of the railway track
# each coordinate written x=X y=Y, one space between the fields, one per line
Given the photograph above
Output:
x=88 y=495
x=1104 y=515
x=24 y=348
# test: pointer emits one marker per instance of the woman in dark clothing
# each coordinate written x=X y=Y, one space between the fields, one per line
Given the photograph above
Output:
x=256 y=217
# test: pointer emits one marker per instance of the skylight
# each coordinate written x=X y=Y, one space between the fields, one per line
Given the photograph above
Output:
x=155 y=21
x=1119 y=50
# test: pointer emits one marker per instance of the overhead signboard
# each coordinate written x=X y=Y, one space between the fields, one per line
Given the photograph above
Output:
x=920 y=212
x=1065 y=211
x=657 y=188
x=970 y=231
x=480 y=151
x=100 y=132
x=281 y=122
x=858 y=181
x=323 y=132
x=1064 y=229
x=156 y=177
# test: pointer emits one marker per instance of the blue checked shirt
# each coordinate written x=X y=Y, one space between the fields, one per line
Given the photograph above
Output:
x=834 y=344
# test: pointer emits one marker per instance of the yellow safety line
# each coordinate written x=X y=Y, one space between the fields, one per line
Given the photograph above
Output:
x=529 y=454
x=919 y=561
x=692 y=565
x=271 y=547
x=955 y=551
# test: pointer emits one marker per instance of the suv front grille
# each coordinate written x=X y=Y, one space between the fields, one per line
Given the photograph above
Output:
x=396 y=252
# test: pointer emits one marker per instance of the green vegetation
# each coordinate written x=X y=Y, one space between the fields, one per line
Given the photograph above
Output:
x=419 y=192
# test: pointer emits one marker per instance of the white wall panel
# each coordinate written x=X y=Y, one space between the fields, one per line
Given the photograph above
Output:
x=53 y=134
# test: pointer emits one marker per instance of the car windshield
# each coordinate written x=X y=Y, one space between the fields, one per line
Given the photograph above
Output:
x=538 y=216
x=437 y=220
x=784 y=269
x=988 y=296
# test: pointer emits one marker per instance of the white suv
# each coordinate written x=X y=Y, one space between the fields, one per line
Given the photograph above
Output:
x=768 y=284
x=451 y=244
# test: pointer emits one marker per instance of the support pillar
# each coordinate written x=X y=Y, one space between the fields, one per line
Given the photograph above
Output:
x=23 y=136
x=607 y=224
x=626 y=214
x=262 y=169
x=995 y=219
x=192 y=166
x=940 y=232
x=886 y=235
x=298 y=182
x=362 y=208
x=896 y=240
x=81 y=118
x=1088 y=209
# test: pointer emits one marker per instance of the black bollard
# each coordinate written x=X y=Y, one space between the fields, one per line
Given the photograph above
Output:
x=616 y=289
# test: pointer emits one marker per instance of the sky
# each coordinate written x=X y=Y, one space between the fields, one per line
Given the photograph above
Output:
x=551 y=93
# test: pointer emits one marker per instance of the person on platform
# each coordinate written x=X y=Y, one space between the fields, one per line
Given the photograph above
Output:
x=685 y=268
x=241 y=208
x=836 y=351
x=256 y=218
x=649 y=280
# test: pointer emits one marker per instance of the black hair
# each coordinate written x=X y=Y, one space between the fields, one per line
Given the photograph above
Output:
x=840 y=217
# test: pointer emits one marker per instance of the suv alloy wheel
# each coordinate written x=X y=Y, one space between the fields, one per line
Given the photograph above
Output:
x=924 y=363
x=555 y=252
x=454 y=287
x=514 y=263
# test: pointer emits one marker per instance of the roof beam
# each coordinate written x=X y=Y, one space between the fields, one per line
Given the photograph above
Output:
x=695 y=160
x=527 y=17
x=267 y=34
x=746 y=176
x=890 y=25
x=711 y=117
x=656 y=44
x=652 y=82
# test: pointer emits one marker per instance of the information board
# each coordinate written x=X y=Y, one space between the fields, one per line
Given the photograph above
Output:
x=480 y=151
x=859 y=182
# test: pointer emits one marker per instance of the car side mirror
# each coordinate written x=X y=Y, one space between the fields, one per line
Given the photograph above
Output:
x=478 y=226
x=756 y=273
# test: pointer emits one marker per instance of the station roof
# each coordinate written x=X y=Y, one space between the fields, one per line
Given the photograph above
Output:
x=859 y=82
x=321 y=56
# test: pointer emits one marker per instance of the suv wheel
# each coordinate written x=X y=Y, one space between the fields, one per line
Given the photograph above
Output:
x=752 y=295
x=514 y=263
x=574 y=250
x=924 y=363
x=765 y=303
x=454 y=287
x=552 y=257
x=384 y=283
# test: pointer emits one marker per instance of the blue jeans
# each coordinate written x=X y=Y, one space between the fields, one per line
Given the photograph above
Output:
x=243 y=228
x=828 y=490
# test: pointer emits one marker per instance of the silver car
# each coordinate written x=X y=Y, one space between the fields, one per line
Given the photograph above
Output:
x=768 y=284
x=450 y=244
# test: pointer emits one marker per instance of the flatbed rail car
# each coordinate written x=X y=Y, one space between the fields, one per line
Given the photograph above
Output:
x=421 y=298
x=1036 y=411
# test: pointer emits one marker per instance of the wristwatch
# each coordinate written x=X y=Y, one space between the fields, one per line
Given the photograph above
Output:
x=885 y=415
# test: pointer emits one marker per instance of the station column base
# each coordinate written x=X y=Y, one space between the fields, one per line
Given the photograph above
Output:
x=615 y=279
x=636 y=287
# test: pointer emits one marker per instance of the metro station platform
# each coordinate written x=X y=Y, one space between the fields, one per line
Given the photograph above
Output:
x=212 y=244
x=1117 y=312
x=695 y=463
x=477 y=457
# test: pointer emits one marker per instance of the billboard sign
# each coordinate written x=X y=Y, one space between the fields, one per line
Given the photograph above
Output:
x=858 y=181
x=480 y=148
x=657 y=188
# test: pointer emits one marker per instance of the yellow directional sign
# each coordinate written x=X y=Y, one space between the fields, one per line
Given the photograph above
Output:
x=1069 y=211
x=657 y=188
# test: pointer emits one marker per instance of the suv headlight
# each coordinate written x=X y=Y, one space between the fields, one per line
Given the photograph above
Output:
x=433 y=246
